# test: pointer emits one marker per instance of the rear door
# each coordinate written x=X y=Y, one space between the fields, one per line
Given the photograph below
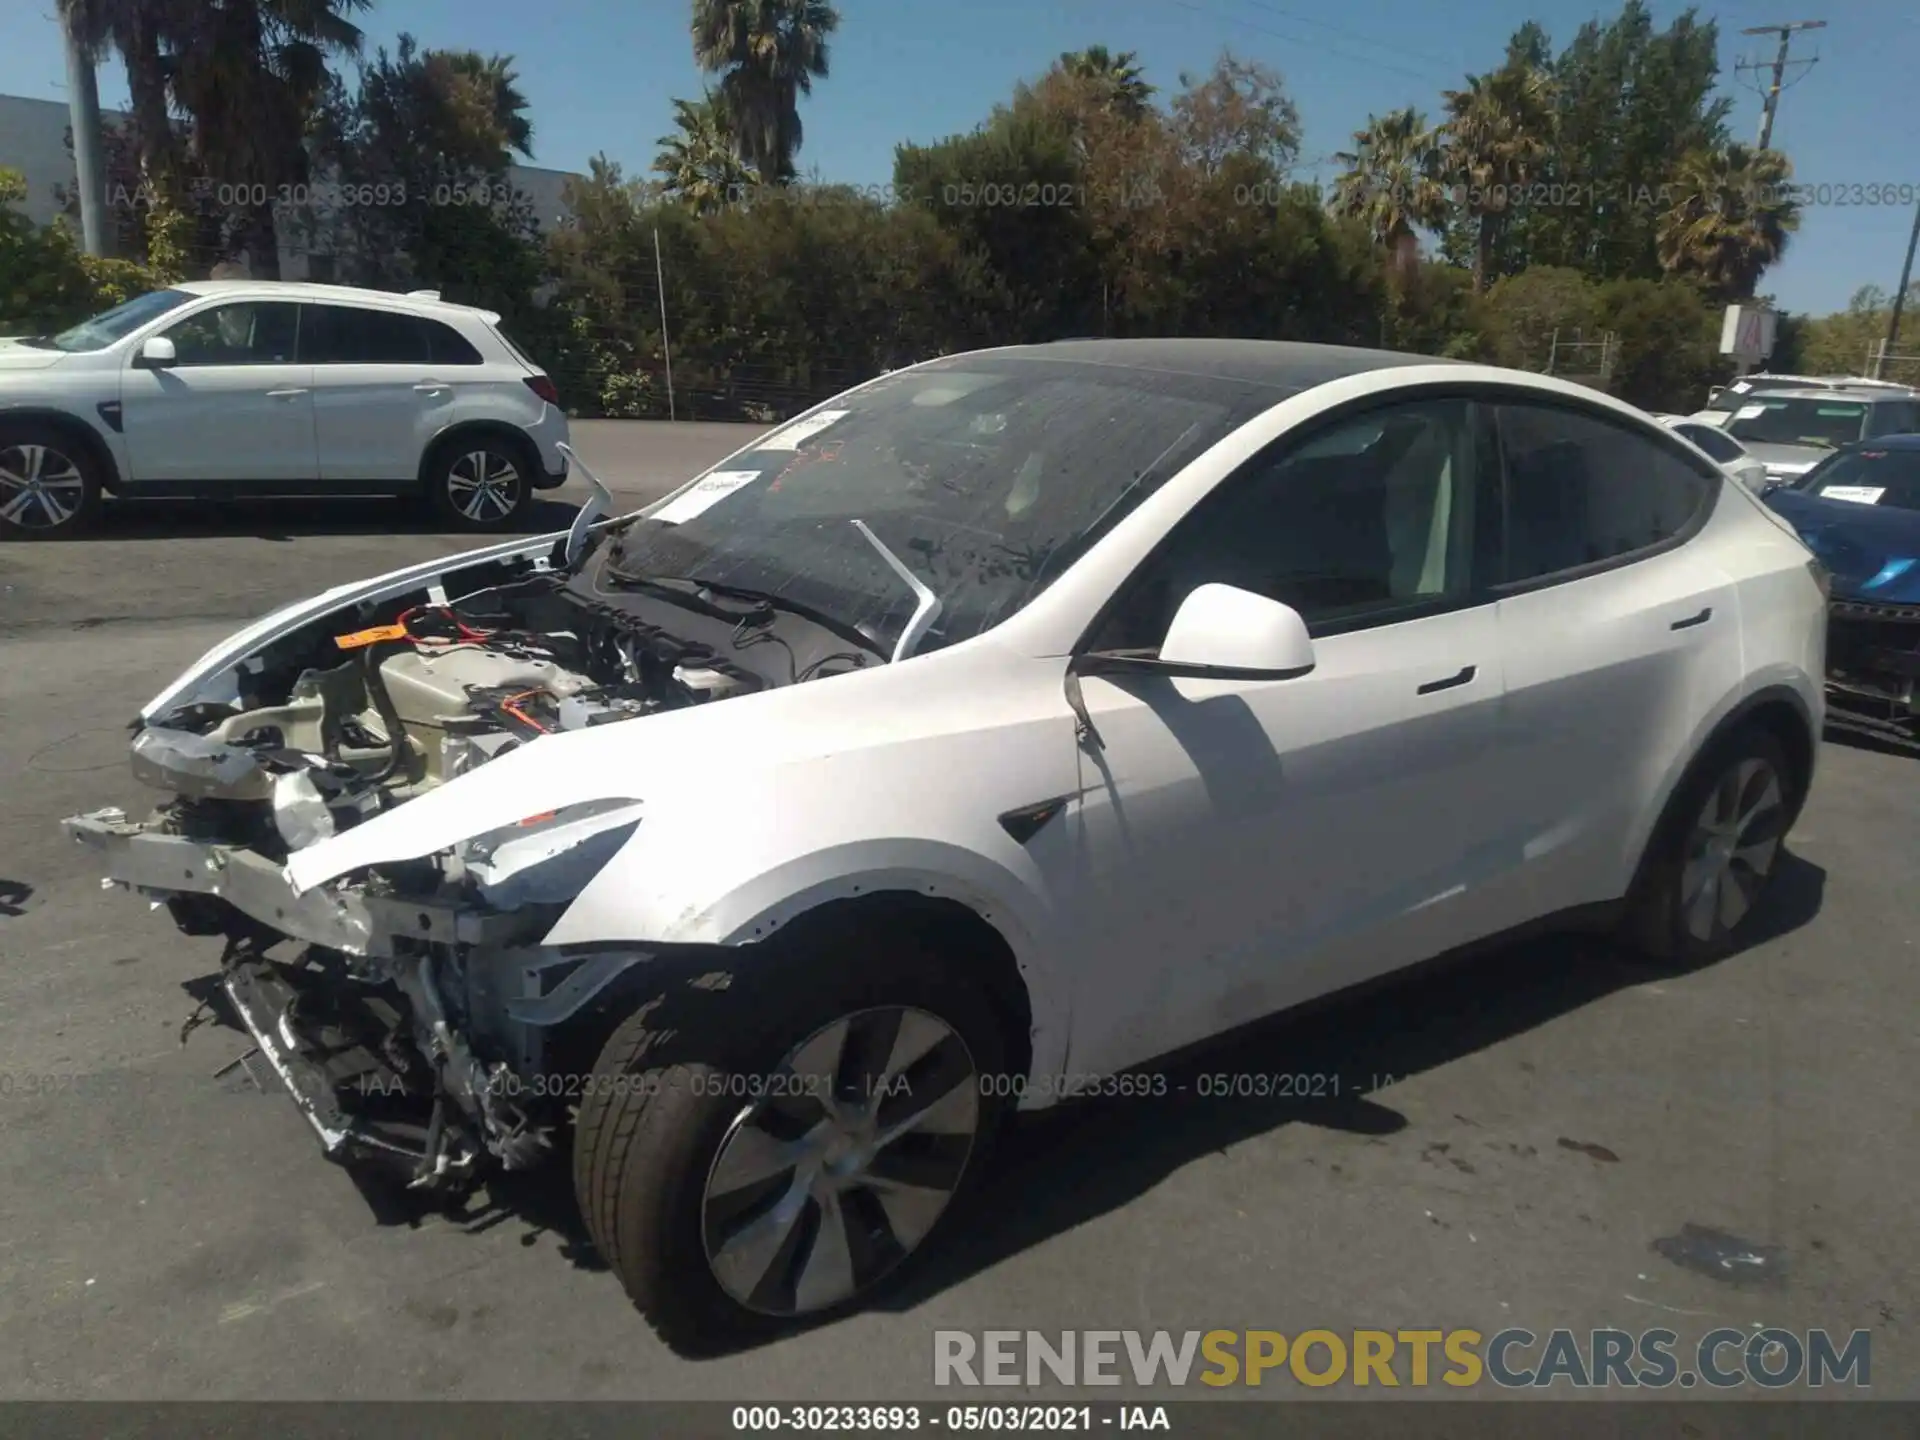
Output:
x=381 y=392
x=236 y=407
x=1619 y=633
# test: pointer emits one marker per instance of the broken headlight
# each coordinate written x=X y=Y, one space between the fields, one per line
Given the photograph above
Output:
x=550 y=857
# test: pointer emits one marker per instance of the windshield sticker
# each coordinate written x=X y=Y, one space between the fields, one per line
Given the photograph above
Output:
x=708 y=492
x=1750 y=412
x=1839 y=412
x=1740 y=387
x=801 y=431
x=1859 y=494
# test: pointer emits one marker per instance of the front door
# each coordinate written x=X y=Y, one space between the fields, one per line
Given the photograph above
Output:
x=234 y=407
x=1243 y=846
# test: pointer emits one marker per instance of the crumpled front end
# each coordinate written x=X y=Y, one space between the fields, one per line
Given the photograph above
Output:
x=406 y=998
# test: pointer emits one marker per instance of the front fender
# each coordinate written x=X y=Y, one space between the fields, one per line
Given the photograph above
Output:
x=668 y=888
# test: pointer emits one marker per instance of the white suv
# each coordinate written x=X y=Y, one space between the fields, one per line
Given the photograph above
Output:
x=253 y=387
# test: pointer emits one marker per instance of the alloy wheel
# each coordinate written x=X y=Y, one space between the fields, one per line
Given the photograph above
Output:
x=40 y=487
x=1732 y=849
x=483 y=485
x=842 y=1161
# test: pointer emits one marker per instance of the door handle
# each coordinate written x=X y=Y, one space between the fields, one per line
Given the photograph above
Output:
x=428 y=387
x=284 y=394
x=1693 y=620
x=1450 y=683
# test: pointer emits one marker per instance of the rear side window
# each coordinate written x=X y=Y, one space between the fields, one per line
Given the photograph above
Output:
x=1581 y=491
x=448 y=346
x=350 y=335
x=1894 y=417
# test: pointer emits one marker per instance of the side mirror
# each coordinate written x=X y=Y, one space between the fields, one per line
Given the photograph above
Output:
x=1220 y=633
x=157 y=354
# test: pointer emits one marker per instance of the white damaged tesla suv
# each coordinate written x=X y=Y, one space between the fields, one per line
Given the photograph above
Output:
x=986 y=733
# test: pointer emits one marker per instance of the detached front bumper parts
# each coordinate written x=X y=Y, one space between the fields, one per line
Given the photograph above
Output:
x=141 y=858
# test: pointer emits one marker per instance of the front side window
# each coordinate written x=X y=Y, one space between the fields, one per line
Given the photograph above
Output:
x=1869 y=477
x=1894 y=417
x=1371 y=521
x=986 y=476
x=1716 y=443
x=1582 y=490
x=1792 y=420
x=248 y=332
x=115 y=324
x=352 y=335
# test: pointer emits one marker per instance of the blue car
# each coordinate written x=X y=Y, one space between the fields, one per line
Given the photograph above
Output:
x=1859 y=511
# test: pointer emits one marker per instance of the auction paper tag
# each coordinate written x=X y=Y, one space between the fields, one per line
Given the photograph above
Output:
x=801 y=431
x=362 y=638
x=1859 y=494
x=1749 y=412
x=709 y=491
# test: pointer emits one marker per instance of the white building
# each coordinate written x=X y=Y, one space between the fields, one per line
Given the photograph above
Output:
x=33 y=140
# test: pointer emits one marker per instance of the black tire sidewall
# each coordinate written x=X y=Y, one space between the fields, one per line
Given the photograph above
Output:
x=439 y=474
x=1656 y=924
x=660 y=1241
x=29 y=433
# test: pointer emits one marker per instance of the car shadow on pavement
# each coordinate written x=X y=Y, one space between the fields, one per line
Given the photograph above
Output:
x=285 y=520
x=1059 y=1169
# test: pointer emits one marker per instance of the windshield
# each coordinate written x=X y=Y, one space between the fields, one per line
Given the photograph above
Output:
x=1777 y=420
x=118 y=323
x=1869 y=477
x=986 y=476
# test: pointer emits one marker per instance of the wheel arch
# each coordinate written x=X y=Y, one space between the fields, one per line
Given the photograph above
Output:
x=1778 y=708
x=465 y=430
x=83 y=434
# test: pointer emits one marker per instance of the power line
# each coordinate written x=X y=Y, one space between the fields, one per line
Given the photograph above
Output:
x=1771 y=94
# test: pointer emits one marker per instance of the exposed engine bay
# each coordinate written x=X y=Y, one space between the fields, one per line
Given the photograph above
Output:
x=411 y=1008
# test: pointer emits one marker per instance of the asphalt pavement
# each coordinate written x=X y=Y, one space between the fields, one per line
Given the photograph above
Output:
x=1512 y=1137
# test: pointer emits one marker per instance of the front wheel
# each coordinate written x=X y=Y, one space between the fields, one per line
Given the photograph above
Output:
x=786 y=1174
x=480 y=484
x=49 y=488
x=1715 y=853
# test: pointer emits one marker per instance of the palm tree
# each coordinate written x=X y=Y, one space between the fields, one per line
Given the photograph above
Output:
x=138 y=30
x=698 y=163
x=767 y=54
x=1392 y=181
x=1118 y=78
x=483 y=93
x=1497 y=134
x=1730 y=218
x=250 y=74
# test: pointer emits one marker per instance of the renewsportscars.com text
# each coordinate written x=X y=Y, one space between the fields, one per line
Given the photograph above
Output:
x=1512 y=1358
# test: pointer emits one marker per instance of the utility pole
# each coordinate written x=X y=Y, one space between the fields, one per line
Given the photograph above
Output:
x=1771 y=94
x=1899 y=298
x=83 y=114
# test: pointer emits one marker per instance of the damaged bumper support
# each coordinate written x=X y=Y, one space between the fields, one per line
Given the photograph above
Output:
x=162 y=866
x=360 y=1030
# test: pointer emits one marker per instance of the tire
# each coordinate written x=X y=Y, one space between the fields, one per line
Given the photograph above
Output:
x=672 y=1144
x=484 y=483
x=49 y=486
x=1704 y=847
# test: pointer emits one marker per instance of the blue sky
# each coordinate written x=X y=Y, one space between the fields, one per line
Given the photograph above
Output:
x=600 y=75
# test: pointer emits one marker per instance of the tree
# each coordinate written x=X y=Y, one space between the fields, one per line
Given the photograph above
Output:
x=767 y=54
x=1239 y=109
x=1729 y=219
x=1498 y=132
x=422 y=146
x=1391 y=182
x=139 y=31
x=251 y=75
x=1629 y=103
x=1117 y=79
x=698 y=163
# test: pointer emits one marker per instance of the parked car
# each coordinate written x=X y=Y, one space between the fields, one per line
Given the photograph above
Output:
x=1721 y=448
x=1724 y=400
x=256 y=388
x=1859 y=511
x=971 y=741
x=1791 y=431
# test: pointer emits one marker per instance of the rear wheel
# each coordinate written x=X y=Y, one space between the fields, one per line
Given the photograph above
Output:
x=783 y=1169
x=1716 y=852
x=49 y=486
x=482 y=483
